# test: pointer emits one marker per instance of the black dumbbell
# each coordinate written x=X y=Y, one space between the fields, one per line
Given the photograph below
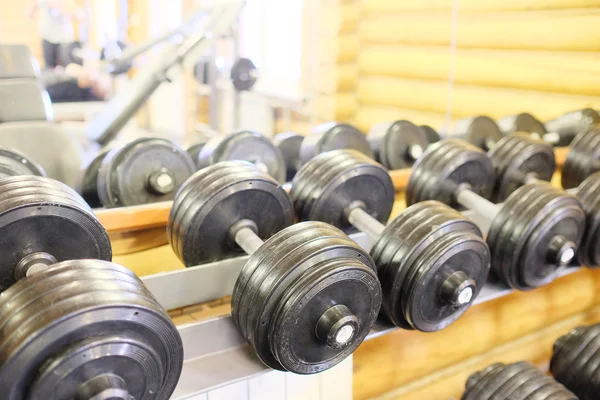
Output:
x=289 y=144
x=194 y=151
x=432 y=135
x=246 y=146
x=146 y=170
x=519 y=159
x=559 y=132
x=307 y=296
x=397 y=144
x=533 y=234
x=480 y=131
x=72 y=326
x=13 y=163
x=431 y=261
x=244 y=74
x=518 y=381
x=569 y=125
x=333 y=136
x=583 y=158
x=576 y=360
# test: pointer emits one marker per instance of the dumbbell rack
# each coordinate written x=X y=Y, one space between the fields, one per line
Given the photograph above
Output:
x=215 y=353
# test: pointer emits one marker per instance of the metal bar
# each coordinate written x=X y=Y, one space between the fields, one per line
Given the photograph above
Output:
x=475 y=202
x=248 y=240
x=362 y=220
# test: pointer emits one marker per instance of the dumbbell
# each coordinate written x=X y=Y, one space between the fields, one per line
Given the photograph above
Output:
x=518 y=381
x=519 y=159
x=73 y=327
x=431 y=261
x=243 y=74
x=307 y=296
x=583 y=158
x=533 y=234
x=480 y=131
x=13 y=163
x=333 y=136
x=194 y=151
x=575 y=361
x=397 y=144
x=146 y=170
x=432 y=135
x=289 y=144
x=559 y=132
x=246 y=146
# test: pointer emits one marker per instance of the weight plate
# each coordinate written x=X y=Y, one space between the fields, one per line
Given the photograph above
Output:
x=583 y=158
x=39 y=214
x=524 y=235
x=245 y=146
x=217 y=197
x=432 y=262
x=86 y=328
x=571 y=124
x=289 y=144
x=518 y=157
x=13 y=163
x=194 y=152
x=480 y=131
x=523 y=122
x=444 y=167
x=576 y=361
x=89 y=182
x=518 y=381
x=327 y=186
x=398 y=144
x=303 y=288
x=589 y=195
x=333 y=136
x=70 y=53
x=243 y=74
x=432 y=135
x=147 y=170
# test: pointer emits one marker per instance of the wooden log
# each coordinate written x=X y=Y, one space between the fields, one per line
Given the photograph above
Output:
x=563 y=72
x=467 y=100
x=542 y=30
x=337 y=78
x=338 y=18
x=387 y=6
x=377 y=368
x=368 y=115
x=336 y=106
x=343 y=48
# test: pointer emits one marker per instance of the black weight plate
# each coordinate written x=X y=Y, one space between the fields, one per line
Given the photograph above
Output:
x=215 y=198
x=480 y=131
x=398 y=144
x=246 y=146
x=42 y=215
x=80 y=319
x=14 y=163
x=517 y=157
x=518 y=381
x=446 y=165
x=70 y=53
x=523 y=122
x=243 y=74
x=326 y=186
x=521 y=233
x=89 y=182
x=333 y=136
x=262 y=261
x=194 y=152
x=569 y=125
x=415 y=255
x=126 y=174
x=583 y=158
x=289 y=144
x=316 y=263
x=575 y=361
x=187 y=196
x=432 y=135
x=589 y=195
